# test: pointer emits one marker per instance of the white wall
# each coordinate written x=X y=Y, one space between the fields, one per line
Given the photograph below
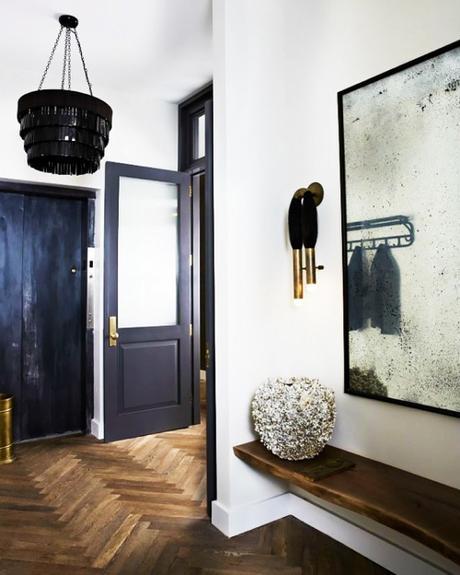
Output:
x=144 y=132
x=278 y=67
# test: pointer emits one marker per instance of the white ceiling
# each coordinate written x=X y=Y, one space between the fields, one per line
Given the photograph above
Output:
x=162 y=47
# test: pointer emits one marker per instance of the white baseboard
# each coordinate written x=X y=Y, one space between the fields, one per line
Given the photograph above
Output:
x=247 y=517
x=96 y=429
x=393 y=557
x=388 y=554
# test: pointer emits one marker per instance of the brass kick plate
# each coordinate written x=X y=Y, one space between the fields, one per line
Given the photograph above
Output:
x=113 y=334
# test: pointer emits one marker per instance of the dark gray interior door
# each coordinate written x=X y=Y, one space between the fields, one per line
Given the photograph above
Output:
x=147 y=309
x=41 y=313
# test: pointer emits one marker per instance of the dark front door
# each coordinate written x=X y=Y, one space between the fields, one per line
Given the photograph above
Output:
x=41 y=312
x=147 y=309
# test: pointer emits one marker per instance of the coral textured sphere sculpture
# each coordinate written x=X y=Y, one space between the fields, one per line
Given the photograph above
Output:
x=294 y=417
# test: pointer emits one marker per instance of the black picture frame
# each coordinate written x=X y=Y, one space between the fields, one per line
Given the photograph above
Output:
x=343 y=176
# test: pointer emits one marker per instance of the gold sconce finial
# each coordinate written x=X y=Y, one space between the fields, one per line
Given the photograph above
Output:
x=303 y=233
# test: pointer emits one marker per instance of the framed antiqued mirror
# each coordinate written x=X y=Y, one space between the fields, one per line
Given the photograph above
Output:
x=400 y=177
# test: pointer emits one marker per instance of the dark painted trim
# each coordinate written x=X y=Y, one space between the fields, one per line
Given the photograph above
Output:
x=197 y=104
x=88 y=344
x=340 y=95
x=203 y=93
x=187 y=111
x=211 y=460
x=115 y=170
x=196 y=300
x=132 y=334
x=37 y=189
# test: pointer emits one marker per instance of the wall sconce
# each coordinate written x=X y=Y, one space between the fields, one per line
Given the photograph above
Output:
x=303 y=233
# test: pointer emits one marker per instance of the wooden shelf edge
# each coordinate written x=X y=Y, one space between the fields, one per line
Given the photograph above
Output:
x=419 y=508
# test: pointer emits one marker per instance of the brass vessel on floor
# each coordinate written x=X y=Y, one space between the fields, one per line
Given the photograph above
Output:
x=6 y=428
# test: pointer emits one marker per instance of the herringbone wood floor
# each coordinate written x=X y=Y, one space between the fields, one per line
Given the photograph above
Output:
x=78 y=506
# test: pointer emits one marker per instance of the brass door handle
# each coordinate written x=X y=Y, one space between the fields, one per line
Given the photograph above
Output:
x=113 y=334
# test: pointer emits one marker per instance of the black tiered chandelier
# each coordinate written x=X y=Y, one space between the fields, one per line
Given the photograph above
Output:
x=64 y=131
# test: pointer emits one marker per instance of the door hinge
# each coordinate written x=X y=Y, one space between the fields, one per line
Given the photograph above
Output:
x=191 y=330
x=190 y=191
x=190 y=260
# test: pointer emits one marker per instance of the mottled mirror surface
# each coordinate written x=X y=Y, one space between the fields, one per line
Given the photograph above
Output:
x=401 y=185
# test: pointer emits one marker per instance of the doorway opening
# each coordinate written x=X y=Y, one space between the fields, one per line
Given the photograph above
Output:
x=46 y=324
x=159 y=298
x=196 y=158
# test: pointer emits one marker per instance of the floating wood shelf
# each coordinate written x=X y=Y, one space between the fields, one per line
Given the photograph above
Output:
x=424 y=510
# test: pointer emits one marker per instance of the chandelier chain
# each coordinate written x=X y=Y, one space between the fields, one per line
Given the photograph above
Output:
x=69 y=52
x=83 y=61
x=50 y=59
x=64 y=65
x=67 y=64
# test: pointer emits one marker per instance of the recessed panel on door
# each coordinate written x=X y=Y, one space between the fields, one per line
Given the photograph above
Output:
x=150 y=374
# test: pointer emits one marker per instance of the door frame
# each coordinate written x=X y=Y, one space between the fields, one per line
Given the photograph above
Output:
x=88 y=197
x=198 y=103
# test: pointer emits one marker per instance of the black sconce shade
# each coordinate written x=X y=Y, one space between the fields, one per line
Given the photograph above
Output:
x=309 y=221
x=303 y=220
x=295 y=223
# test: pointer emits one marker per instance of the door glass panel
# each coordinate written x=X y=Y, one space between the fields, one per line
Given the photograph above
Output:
x=147 y=253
